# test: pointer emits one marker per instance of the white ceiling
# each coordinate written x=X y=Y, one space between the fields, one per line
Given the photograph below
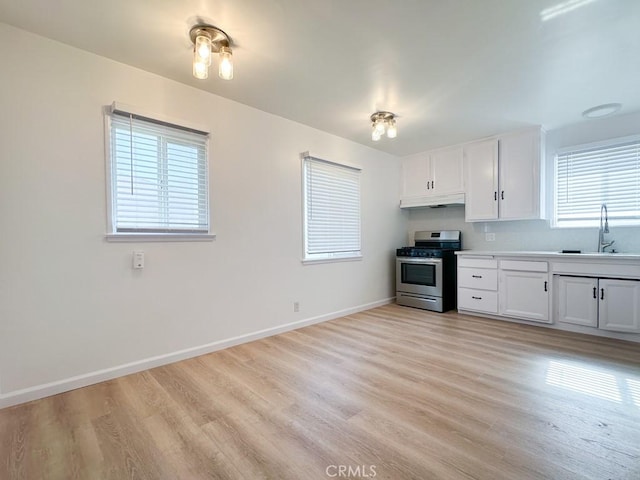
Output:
x=452 y=70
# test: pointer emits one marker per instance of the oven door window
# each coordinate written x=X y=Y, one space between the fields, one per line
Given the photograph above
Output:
x=419 y=274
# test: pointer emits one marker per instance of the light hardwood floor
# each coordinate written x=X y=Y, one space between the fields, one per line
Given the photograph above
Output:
x=390 y=393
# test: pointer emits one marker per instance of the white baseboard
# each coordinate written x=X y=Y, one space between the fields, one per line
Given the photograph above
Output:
x=60 y=386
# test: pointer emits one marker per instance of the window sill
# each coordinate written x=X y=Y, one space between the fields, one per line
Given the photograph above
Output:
x=159 y=237
x=310 y=261
x=593 y=227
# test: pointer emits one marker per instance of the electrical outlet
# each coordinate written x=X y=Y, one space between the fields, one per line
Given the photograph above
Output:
x=296 y=306
x=490 y=237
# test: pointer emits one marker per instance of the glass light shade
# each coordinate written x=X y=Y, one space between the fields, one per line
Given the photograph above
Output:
x=379 y=126
x=392 y=130
x=225 y=71
x=200 y=70
x=375 y=134
x=202 y=51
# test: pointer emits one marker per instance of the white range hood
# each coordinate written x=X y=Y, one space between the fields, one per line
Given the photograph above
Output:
x=432 y=201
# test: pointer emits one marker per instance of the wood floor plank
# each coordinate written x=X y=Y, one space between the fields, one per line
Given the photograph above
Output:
x=395 y=391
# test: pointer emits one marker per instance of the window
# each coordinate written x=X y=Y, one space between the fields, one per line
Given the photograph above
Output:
x=331 y=210
x=588 y=176
x=158 y=174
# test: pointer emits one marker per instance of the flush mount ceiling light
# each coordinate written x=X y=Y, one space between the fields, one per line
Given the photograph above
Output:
x=208 y=40
x=381 y=123
x=600 y=111
x=562 y=8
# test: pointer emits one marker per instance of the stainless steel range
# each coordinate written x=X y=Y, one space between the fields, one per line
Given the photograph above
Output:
x=426 y=272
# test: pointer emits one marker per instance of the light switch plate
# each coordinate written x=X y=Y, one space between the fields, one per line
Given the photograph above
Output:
x=490 y=237
x=138 y=260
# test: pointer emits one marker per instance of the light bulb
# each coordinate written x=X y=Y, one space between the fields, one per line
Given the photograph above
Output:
x=375 y=134
x=392 y=130
x=379 y=126
x=202 y=51
x=200 y=70
x=225 y=71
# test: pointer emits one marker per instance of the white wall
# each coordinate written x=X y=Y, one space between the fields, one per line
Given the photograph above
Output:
x=537 y=234
x=70 y=304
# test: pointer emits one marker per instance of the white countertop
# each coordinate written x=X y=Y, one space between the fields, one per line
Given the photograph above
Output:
x=554 y=255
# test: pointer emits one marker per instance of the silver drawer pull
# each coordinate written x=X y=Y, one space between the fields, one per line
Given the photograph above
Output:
x=476 y=276
x=476 y=298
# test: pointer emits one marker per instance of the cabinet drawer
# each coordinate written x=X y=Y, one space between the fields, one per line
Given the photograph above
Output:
x=524 y=265
x=477 y=262
x=478 y=300
x=481 y=278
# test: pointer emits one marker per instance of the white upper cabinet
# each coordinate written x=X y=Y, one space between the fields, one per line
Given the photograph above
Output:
x=445 y=170
x=481 y=180
x=415 y=175
x=502 y=177
x=520 y=166
x=430 y=176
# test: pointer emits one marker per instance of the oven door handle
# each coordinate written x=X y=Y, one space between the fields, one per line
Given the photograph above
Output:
x=419 y=260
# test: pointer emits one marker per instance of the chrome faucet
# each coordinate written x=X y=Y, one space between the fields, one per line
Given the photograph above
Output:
x=604 y=228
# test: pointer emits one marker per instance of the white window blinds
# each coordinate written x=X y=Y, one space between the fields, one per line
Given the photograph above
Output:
x=159 y=181
x=590 y=176
x=331 y=210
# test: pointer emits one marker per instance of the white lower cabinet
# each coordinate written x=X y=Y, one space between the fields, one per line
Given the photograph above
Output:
x=478 y=278
x=571 y=293
x=619 y=309
x=608 y=304
x=478 y=285
x=578 y=300
x=524 y=290
x=478 y=300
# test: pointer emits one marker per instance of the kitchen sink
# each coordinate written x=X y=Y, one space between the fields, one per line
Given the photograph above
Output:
x=598 y=254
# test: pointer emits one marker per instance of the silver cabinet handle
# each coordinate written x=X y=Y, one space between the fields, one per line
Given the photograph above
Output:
x=476 y=298
x=476 y=276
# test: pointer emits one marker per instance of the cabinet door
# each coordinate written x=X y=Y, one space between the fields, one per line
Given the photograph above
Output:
x=524 y=295
x=446 y=171
x=619 y=309
x=578 y=300
x=519 y=175
x=415 y=175
x=481 y=180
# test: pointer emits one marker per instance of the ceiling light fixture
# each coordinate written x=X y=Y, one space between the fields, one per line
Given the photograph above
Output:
x=381 y=123
x=208 y=40
x=562 y=8
x=601 y=111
